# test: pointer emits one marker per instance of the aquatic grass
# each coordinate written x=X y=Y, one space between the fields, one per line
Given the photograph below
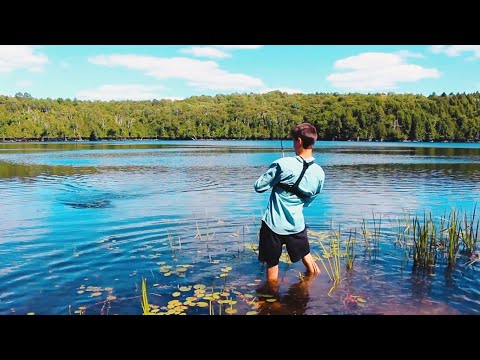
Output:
x=171 y=243
x=376 y=234
x=470 y=232
x=144 y=298
x=333 y=269
x=350 y=249
x=199 y=235
x=425 y=243
x=443 y=236
x=366 y=236
x=474 y=258
x=403 y=231
x=452 y=246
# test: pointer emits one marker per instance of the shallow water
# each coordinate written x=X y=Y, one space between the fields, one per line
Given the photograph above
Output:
x=106 y=214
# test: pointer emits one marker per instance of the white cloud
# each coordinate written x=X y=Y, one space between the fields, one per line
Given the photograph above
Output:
x=377 y=71
x=408 y=53
x=205 y=52
x=456 y=50
x=437 y=49
x=282 y=89
x=121 y=92
x=239 y=47
x=24 y=83
x=173 y=98
x=198 y=73
x=13 y=57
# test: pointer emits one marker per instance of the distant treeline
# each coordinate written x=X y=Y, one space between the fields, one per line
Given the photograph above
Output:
x=389 y=117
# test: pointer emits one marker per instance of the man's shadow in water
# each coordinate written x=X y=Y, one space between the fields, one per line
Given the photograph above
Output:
x=293 y=302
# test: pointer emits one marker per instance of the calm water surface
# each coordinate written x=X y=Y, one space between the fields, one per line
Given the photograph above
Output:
x=82 y=223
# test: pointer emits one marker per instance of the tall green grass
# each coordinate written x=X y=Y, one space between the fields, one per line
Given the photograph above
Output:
x=144 y=298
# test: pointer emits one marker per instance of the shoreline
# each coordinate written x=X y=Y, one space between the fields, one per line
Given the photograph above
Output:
x=52 y=140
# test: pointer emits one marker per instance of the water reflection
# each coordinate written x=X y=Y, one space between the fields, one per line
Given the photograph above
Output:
x=12 y=170
x=293 y=301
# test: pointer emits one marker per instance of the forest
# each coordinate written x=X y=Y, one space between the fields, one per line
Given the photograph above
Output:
x=357 y=117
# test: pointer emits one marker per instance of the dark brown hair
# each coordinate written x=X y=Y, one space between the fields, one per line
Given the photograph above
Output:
x=306 y=132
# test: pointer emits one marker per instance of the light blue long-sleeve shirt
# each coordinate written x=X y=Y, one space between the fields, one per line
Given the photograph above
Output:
x=284 y=213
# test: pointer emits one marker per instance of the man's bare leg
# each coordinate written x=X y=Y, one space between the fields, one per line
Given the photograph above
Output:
x=310 y=264
x=272 y=274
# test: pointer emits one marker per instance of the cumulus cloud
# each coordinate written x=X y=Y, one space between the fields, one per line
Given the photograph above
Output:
x=203 y=74
x=217 y=51
x=14 y=57
x=121 y=92
x=373 y=71
x=456 y=50
x=239 y=47
x=203 y=51
x=173 y=98
x=408 y=53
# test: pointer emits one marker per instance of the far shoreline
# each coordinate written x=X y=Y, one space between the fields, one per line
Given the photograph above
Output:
x=66 y=140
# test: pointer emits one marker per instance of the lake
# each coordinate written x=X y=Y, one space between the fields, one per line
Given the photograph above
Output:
x=82 y=223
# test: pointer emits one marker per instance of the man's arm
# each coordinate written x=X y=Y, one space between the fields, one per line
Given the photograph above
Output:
x=269 y=179
x=310 y=199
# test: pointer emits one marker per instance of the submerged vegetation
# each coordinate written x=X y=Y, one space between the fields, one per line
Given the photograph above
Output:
x=428 y=242
x=392 y=117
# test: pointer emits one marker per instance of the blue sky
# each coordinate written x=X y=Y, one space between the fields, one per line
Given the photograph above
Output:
x=140 y=72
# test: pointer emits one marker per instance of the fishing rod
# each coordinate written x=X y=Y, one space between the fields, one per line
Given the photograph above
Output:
x=281 y=135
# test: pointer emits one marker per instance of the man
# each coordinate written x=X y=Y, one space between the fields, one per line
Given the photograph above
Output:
x=295 y=182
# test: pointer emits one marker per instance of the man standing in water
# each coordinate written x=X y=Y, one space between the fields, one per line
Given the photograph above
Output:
x=295 y=182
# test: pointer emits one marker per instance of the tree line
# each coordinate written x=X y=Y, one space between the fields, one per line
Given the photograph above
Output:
x=363 y=117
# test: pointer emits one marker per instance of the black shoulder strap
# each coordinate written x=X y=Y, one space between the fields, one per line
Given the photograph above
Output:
x=294 y=188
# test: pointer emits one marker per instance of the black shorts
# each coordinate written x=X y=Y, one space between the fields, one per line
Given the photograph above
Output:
x=270 y=245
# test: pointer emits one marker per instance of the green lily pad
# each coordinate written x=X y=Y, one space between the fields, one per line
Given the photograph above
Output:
x=251 y=313
x=176 y=294
x=95 y=294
